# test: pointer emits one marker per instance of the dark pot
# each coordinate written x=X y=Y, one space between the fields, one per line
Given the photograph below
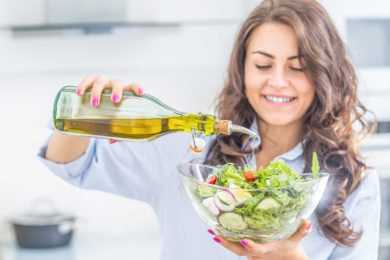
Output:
x=44 y=232
x=47 y=229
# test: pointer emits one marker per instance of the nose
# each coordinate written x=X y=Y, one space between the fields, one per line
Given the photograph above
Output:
x=278 y=79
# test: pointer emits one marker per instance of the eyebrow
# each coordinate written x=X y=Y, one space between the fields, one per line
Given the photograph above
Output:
x=273 y=57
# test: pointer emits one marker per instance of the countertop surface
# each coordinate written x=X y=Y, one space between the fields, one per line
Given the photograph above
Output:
x=98 y=246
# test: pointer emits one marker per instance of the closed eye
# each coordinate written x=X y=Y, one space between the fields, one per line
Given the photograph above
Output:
x=297 y=69
x=260 y=67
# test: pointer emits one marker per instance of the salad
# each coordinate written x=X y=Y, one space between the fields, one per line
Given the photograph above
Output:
x=263 y=200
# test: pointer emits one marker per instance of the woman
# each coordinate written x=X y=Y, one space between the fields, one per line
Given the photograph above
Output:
x=290 y=80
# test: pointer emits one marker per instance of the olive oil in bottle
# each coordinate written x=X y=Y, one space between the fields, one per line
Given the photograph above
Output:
x=133 y=118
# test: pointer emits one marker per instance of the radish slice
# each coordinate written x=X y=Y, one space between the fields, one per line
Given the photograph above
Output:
x=224 y=201
x=209 y=204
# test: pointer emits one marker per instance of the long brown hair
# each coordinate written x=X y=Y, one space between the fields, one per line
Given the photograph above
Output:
x=334 y=123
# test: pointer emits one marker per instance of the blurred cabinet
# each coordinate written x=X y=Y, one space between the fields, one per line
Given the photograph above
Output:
x=185 y=11
x=364 y=26
x=85 y=11
x=20 y=12
x=53 y=12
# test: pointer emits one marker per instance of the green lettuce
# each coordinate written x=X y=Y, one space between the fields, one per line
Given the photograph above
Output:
x=278 y=183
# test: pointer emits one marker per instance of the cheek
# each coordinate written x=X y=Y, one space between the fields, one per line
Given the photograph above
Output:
x=307 y=96
x=253 y=82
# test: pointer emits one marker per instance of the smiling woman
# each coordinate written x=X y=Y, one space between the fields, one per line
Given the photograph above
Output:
x=290 y=76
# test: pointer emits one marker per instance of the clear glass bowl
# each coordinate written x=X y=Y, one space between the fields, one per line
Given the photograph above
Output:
x=276 y=213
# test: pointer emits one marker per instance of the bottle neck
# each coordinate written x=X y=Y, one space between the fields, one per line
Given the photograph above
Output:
x=223 y=127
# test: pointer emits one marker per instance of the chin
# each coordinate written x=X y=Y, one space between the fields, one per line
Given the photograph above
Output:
x=277 y=121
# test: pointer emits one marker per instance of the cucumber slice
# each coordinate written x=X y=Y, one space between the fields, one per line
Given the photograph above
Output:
x=225 y=197
x=232 y=221
x=268 y=203
x=206 y=191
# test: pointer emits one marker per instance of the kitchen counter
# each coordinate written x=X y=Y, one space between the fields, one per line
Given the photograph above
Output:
x=92 y=246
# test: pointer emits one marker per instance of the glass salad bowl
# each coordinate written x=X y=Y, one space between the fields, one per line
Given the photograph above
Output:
x=264 y=205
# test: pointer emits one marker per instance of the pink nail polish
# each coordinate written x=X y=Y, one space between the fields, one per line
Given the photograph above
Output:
x=115 y=98
x=95 y=101
x=78 y=92
x=244 y=243
x=140 y=91
x=217 y=239
x=210 y=231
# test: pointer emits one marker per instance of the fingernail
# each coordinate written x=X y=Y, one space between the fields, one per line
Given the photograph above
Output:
x=217 y=239
x=210 y=231
x=244 y=243
x=140 y=91
x=95 y=101
x=78 y=92
x=112 y=141
x=115 y=98
x=308 y=228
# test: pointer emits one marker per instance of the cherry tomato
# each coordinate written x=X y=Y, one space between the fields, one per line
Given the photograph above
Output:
x=212 y=180
x=249 y=176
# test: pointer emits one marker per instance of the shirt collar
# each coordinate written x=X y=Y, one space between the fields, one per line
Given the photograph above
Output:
x=290 y=155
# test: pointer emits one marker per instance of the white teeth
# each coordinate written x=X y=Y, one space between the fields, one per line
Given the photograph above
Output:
x=278 y=99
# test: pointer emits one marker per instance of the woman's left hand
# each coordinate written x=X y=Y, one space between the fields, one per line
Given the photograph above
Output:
x=276 y=250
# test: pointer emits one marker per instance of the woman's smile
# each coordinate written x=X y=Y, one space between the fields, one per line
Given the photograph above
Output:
x=278 y=100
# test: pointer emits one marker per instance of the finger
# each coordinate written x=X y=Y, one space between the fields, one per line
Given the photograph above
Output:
x=117 y=91
x=98 y=86
x=255 y=249
x=135 y=88
x=85 y=84
x=302 y=231
x=233 y=247
x=112 y=141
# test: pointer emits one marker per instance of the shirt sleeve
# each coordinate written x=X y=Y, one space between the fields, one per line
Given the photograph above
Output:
x=363 y=209
x=134 y=170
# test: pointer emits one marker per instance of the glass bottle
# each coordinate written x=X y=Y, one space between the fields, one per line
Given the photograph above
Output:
x=133 y=118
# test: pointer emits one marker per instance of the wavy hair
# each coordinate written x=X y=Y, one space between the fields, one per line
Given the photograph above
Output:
x=335 y=122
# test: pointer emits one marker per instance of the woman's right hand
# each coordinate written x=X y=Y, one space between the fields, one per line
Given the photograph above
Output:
x=98 y=83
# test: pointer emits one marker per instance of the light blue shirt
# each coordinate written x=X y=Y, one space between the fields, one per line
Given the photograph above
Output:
x=146 y=171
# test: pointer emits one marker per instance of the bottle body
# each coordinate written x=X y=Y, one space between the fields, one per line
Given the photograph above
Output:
x=134 y=117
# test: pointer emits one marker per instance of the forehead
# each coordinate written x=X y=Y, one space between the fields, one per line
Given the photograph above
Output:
x=275 y=38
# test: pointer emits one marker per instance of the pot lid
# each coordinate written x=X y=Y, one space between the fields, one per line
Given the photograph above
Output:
x=41 y=212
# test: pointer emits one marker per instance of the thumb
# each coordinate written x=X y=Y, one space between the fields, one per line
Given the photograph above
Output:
x=302 y=231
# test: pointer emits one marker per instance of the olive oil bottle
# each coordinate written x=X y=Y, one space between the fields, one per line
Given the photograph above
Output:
x=133 y=118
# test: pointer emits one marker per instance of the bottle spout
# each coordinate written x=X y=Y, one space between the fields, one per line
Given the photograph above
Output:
x=243 y=130
x=226 y=127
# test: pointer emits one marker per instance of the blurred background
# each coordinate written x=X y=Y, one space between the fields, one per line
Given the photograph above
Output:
x=177 y=51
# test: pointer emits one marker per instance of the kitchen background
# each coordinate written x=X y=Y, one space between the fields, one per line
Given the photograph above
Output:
x=178 y=51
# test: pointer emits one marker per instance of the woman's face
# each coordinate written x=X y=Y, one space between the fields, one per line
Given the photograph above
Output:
x=276 y=84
